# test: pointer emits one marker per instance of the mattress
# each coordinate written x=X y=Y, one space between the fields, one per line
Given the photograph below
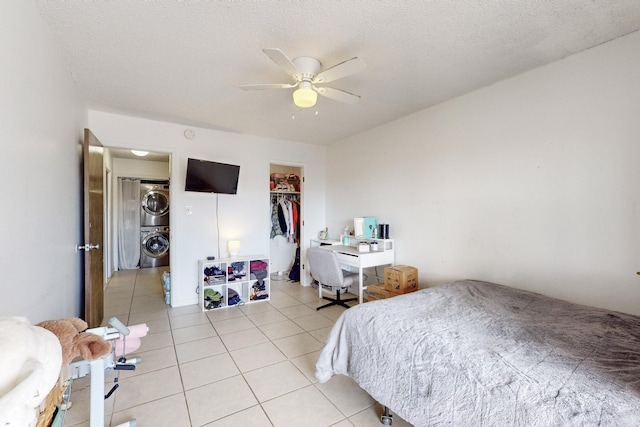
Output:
x=473 y=353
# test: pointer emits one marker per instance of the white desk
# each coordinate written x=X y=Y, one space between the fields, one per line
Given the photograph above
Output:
x=349 y=255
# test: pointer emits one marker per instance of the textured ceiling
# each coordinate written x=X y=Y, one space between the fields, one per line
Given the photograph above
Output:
x=183 y=61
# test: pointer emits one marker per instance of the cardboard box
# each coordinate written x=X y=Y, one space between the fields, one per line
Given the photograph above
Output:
x=401 y=279
x=376 y=292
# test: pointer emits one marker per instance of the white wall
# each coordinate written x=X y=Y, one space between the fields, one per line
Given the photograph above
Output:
x=245 y=216
x=532 y=182
x=41 y=123
x=144 y=169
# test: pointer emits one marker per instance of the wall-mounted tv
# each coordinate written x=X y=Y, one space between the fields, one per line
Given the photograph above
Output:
x=211 y=177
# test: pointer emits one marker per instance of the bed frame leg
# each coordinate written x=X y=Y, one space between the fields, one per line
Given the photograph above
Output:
x=386 y=418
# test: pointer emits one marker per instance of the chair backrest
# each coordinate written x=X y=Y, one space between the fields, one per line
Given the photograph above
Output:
x=324 y=267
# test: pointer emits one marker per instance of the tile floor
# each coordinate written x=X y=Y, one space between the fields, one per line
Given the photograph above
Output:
x=248 y=366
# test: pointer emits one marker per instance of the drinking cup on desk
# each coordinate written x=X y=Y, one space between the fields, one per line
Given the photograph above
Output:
x=345 y=240
x=374 y=246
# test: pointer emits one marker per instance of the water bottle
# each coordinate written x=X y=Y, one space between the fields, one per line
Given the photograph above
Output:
x=345 y=235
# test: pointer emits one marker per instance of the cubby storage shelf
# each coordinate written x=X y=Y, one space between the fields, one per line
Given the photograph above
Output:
x=229 y=282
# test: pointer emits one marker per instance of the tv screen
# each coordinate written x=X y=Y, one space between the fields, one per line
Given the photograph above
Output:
x=212 y=177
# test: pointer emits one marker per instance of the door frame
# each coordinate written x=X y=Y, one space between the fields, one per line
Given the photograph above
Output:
x=113 y=214
x=301 y=166
x=108 y=242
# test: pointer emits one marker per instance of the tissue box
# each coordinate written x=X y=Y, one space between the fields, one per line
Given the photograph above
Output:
x=363 y=247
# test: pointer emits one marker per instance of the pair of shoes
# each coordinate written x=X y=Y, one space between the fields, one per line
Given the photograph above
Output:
x=213 y=271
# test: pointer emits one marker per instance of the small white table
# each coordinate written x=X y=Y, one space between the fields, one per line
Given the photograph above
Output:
x=349 y=255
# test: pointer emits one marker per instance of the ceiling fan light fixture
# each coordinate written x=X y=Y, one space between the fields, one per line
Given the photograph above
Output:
x=305 y=97
x=306 y=73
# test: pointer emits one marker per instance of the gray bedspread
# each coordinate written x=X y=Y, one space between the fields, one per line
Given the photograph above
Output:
x=479 y=354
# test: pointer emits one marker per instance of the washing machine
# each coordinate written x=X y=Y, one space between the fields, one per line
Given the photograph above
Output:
x=154 y=202
x=154 y=251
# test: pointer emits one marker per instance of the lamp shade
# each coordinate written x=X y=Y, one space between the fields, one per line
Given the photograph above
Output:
x=305 y=97
x=233 y=246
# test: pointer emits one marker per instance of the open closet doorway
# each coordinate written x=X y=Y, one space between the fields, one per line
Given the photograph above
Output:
x=287 y=225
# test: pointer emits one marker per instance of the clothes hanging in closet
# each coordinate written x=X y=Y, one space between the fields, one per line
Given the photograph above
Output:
x=285 y=217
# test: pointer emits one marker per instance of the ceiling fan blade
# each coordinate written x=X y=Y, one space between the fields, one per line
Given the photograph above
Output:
x=338 y=95
x=341 y=70
x=283 y=62
x=268 y=86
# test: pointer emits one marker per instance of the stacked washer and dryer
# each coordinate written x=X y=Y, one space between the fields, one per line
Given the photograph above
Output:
x=154 y=223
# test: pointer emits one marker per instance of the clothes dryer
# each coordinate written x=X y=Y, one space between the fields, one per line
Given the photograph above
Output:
x=154 y=202
x=154 y=251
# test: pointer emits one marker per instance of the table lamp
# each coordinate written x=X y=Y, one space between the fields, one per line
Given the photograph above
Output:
x=233 y=246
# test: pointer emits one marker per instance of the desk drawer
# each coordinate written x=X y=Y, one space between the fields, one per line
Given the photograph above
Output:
x=348 y=259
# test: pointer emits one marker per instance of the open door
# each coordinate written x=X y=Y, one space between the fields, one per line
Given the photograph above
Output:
x=93 y=230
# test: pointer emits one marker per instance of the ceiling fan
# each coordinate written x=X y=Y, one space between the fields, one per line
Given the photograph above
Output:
x=307 y=73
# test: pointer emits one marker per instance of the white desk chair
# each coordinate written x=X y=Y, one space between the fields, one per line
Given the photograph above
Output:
x=325 y=269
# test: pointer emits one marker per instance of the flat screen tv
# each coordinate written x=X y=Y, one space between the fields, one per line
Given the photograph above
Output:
x=212 y=177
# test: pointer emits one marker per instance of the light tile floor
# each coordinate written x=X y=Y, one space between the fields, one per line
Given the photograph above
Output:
x=248 y=366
